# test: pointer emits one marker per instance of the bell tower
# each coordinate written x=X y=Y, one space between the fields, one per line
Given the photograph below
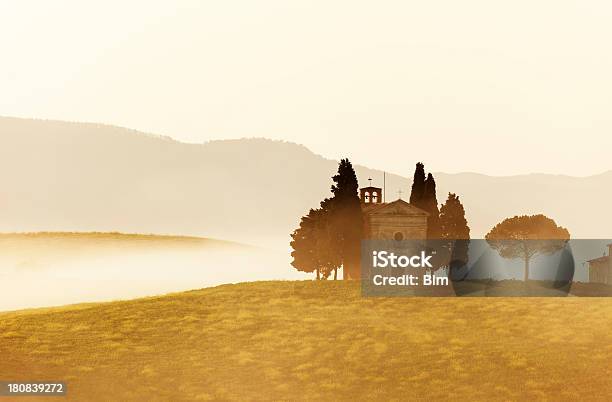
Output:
x=371 y=195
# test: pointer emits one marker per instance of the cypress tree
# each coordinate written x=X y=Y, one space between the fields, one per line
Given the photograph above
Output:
x=430 y=204
x=347 y=220
x=345 y=187
x=330 y=237
x=418 y=185
x=454 y=227
x=423 y=196
x=453 y=224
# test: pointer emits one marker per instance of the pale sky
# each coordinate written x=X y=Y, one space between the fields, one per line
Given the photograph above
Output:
x=485 y=86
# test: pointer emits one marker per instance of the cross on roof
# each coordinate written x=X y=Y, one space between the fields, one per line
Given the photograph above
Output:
x=400 y=193
x=370 y=180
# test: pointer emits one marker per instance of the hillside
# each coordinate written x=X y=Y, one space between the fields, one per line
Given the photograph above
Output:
x=60 y=176
x=315 y=341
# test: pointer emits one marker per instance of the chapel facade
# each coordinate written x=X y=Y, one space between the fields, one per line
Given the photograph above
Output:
x=600 y=269
x=397 y=220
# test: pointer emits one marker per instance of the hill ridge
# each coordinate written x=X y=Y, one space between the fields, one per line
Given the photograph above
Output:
x=90 y=177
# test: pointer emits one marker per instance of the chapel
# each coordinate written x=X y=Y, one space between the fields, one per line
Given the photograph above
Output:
x=396 y=220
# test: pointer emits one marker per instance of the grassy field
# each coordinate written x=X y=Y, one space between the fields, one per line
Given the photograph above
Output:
x=315 y=341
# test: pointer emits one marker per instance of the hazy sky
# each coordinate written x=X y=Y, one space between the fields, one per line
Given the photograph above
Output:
x=486 y=86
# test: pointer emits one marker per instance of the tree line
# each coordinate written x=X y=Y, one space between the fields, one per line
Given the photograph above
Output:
x=328 y=238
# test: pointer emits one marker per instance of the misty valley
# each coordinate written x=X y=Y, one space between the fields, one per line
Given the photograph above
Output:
x=40 y=270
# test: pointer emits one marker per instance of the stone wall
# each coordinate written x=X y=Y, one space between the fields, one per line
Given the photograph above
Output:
x=386 y=227
x=599 y=271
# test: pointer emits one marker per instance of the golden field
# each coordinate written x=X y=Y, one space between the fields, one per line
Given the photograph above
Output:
x=315 y=341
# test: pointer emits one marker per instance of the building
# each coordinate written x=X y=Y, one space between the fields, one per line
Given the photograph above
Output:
x=600 y=269
x=397 y=220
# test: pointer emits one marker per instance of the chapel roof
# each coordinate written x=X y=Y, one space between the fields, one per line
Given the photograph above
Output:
x=397 y=207
x=605 y=258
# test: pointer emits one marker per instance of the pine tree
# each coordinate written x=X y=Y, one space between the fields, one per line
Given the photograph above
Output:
x=526 y=237
x=418 y=185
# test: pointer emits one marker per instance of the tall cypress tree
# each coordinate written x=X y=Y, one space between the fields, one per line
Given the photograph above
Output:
x=454 y=227
x=430 y=205
x=452 y=219
x=347 y=218
x=330 y=237
x=418 y=186
x=423 y=196
x=345 y=185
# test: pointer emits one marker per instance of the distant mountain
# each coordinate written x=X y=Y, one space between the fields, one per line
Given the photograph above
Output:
x=61 y=176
